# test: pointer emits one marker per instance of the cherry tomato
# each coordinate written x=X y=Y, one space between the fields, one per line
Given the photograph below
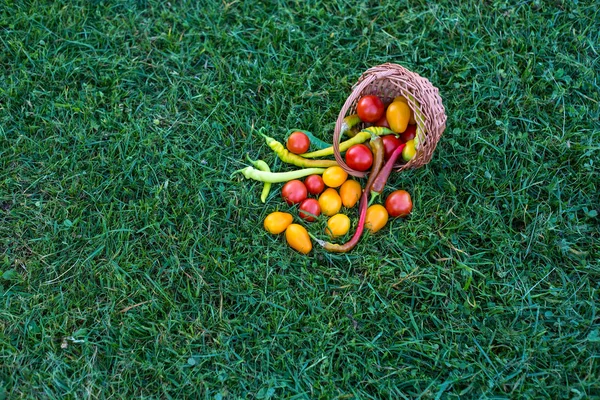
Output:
x=294 y=191
x=314 y=184
x=311 y=209
x=398 y=203
x=334 y=176
x=298 y=239
x=298 y=143
x=382 y=122
x=390 y=143
x=330 y=202
x=409 y=133
x=398 y=115
x=338 y=225
x=377 y=217
x=350 y=192
x=412 y=120
x=370 y=108
x=409 y=150
x=359 y=157
x=277 y=222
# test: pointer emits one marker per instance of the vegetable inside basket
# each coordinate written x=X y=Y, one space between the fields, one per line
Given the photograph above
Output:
x=389 y=81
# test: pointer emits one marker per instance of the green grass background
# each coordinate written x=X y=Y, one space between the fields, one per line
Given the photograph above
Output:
x=131 y=265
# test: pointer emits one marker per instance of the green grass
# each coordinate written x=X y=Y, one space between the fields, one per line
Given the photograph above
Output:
x=132 y=266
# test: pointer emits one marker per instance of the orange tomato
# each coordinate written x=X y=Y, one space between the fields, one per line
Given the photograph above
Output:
x=334 y=176
x=277 y=222
x=398 y=115
x=330 y=202
x=338 y=225
x=411 y=120
x=350 y=192
x=377 y=217
x=298 y=239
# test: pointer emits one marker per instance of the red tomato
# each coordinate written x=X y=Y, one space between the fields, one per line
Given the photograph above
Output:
x=294 y=192
x=390 y=143
x=398 y=203
x=382 y=122
x=312 y=209
x=370 y=108
x=359 y=157
x=298 y=143
x=314 y=184
x=409 y=133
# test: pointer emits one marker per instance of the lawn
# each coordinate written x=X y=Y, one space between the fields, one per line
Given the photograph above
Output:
x=133 y=266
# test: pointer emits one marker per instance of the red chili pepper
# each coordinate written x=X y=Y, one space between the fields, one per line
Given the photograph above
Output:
x=378 y=152
x=383 y=176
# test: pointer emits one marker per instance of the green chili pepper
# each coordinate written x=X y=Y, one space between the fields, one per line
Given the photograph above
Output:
x=277 y=177
x=360 y=137
x=314 y=141
x=350 y=126
x=295 y=159
x=262 y=166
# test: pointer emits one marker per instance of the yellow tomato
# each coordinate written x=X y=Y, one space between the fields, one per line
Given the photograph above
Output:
x=298 y=239
x=338 y=225
x=334 y=176
x=398 y=115
x=411 y=120
x=409 y=150
x=377 y=217
x=277 y=222
x=330 y=202
x=350 y=192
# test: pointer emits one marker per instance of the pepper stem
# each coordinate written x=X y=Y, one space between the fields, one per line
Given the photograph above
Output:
x=239 y=171
x=374 y=195
x=263 y=135
x=319 y=241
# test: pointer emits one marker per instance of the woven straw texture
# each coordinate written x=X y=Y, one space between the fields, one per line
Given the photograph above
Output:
x=389 y=81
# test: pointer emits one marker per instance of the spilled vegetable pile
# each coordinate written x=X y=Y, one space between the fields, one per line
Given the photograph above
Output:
x=379 y=138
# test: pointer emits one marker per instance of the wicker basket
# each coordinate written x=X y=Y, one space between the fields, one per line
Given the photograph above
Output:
x=388 y=81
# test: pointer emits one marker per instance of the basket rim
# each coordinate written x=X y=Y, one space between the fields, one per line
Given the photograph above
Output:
x=423 y=98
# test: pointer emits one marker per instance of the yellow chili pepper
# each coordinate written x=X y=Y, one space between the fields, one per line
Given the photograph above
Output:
x=360 y=137
x=276 y=177
x=295 y=159
x=262 y=166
